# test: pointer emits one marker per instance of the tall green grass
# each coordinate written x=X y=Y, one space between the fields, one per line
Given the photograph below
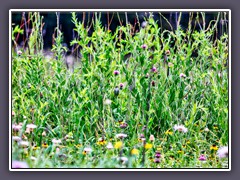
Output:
x=71 y=105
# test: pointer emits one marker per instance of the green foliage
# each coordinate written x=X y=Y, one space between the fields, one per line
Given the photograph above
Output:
x=72 y=106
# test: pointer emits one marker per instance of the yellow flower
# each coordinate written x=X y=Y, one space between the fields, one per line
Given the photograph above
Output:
x=35 y=147
x=78 y=145
x=180 y=152
x=159 y=148
x=44 y=145
x=118 y=145
x=101 y=142
x=214 y=147
x=135 y=151
x=148 y=146
x=168 y=132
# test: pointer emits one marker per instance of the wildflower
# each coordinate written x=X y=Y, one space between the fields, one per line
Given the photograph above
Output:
x=56 y=141
x=182 y=75
x=123 y=125
x=144 y=46
x=157 y=154
x=44 y=145
x=151 y=138
x=180 y=128
x=147 y=75
x=33 y=158
x=31 y=127
x=109 y=145
x=157 y=160
x=35 y=147
x=148 y=146
x=167 y=52
x=135 y=151
x=121 y=135
x=116 y=72
x=78 y=145
x=202 y=158
x=87 y=150
x=214 y=147
x=154 y=69
x=57 y=150
x=16 y=127
x=153 y=83
x=116 y=91
x=16 y=138
x=101 y=141
x=121 y=86
x=23 y=144
x=144 y=128
x=19 y=164
x=19 y=53
x=180 y=152
x=118 y=145
x=44 y=133
x=215 y=127
x=107 y=102
x=29 y=85
x=27 y=131
x=123 y=159
x=206 y=129
x=223 y=152
x=13 y=113
x=170 y=64
x=168 y=132
x=144 y=24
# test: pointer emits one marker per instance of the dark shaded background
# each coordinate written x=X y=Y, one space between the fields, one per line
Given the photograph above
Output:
x=66 y=24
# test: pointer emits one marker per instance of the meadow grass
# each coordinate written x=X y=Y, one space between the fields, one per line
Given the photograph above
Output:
x=153 y=99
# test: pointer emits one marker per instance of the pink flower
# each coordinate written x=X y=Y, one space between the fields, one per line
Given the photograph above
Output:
x=144 y=46
x=222 y=152
x=202 y=158
x=116 y=72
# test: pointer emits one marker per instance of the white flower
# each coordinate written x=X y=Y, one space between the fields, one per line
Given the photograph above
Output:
x=109 y=146
x=87 y=149
x=123 y=159
x=56 y=141
x=31 y=126
x=33 y=158
x=206 y=129
x=180 y=128
x=222 y=152
x=16 y=138
x=23 y=143
x=121 y=135
x=107 y=102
